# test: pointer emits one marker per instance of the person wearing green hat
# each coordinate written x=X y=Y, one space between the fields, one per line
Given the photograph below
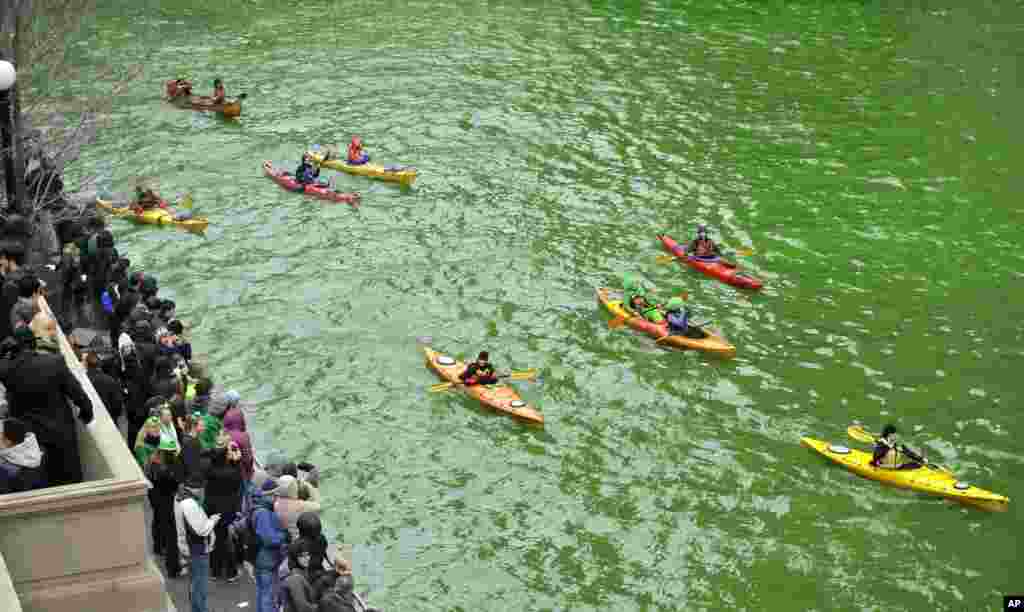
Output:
x=147 y=441
x=635 y=293
x=165 y=472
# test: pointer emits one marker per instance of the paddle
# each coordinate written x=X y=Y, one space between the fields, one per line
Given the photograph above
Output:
x=618 y=322
x=857 y=432
x=665 y=259
x=524 y=375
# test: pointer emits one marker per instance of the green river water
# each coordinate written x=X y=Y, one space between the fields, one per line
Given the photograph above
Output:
x=868 y=153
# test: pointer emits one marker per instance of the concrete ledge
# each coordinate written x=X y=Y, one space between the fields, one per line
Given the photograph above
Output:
x=8 y=596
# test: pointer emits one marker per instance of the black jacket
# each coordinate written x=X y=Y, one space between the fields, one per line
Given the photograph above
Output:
x=38 y=386
x=223 y=487
x=109 y=390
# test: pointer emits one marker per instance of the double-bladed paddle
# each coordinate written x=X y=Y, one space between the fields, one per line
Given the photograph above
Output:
x=524 y=375
x=857 y=432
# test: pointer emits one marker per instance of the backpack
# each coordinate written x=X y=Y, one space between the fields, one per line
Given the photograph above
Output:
x=250 y=539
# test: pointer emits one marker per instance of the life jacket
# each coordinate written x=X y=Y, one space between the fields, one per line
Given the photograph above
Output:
x=891 y=459
x=355 y=150
x=703 y=247
x=651 y=313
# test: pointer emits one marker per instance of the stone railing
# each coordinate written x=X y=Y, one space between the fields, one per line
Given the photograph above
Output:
x=8 y=596
x=82 y=547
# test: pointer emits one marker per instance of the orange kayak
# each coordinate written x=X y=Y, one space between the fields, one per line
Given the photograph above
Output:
x=703 y=339
x=501 y=398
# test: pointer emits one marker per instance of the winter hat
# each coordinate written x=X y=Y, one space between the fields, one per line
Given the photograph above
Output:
x=24 y=335
x=149 y=284
x=287 y=486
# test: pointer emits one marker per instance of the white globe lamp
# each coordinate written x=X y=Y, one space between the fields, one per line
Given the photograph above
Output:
x=7 y=75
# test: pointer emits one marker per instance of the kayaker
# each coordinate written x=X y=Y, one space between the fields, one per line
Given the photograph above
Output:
x=479 y=372
x=651 y=312
x=184 y=88
x=356 y=155
x=678 y=317
x=145 y=199
x=218 y=91
x=889 y=454
x=702 y=246
x=306 y=173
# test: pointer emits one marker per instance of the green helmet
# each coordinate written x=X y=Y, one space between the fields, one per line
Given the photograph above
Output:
x=167 y=444
x=674 y=304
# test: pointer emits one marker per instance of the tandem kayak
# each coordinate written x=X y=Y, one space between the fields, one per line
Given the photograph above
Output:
x=924 y=479
x=501 y=398
x=155 y=216
x=230 y=109
x=405 y=175
x=316 y=190
x=712 y=267
x=702 y=340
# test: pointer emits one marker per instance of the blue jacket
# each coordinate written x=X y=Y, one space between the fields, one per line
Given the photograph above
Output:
x=272 y=536
x=306 y=173
x=678 y=322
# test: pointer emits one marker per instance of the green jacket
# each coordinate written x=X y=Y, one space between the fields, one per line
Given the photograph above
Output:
x=212 y=426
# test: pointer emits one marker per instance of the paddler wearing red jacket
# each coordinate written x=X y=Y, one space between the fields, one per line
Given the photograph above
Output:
x=479 y=372
x=356 y=155
x=703 y=246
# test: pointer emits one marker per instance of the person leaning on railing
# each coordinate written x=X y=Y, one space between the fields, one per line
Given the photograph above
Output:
x=38 y=388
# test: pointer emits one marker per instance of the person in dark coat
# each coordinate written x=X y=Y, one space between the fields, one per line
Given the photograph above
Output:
x=138 y=373
x=297 y=588
x=191 y=452
x=38 y=387
x=224 y=497
x=164 y=382
x=12 y=257
x=166 y=473
x=109 y=390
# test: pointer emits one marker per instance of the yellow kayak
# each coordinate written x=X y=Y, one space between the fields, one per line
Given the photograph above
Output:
x=704 y=339
x=155 y=216
x=396 y=174
x=924 y=479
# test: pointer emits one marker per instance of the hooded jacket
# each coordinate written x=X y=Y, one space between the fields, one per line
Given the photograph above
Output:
x=21 y=466
x=271 y=534
x=289 y=507
x=27 y=454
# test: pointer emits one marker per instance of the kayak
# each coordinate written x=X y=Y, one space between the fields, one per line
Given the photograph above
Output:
x=155 y=216
x=229 y=109
x=316 y=190
x=924 y=479
x=396 y=174
x=712 y=267
x=703 y=339
x=499 y=397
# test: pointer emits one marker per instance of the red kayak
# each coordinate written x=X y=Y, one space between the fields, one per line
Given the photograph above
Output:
x=317 y=190
x=712 y=267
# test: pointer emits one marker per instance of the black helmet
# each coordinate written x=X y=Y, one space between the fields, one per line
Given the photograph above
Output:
x=888 y=430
